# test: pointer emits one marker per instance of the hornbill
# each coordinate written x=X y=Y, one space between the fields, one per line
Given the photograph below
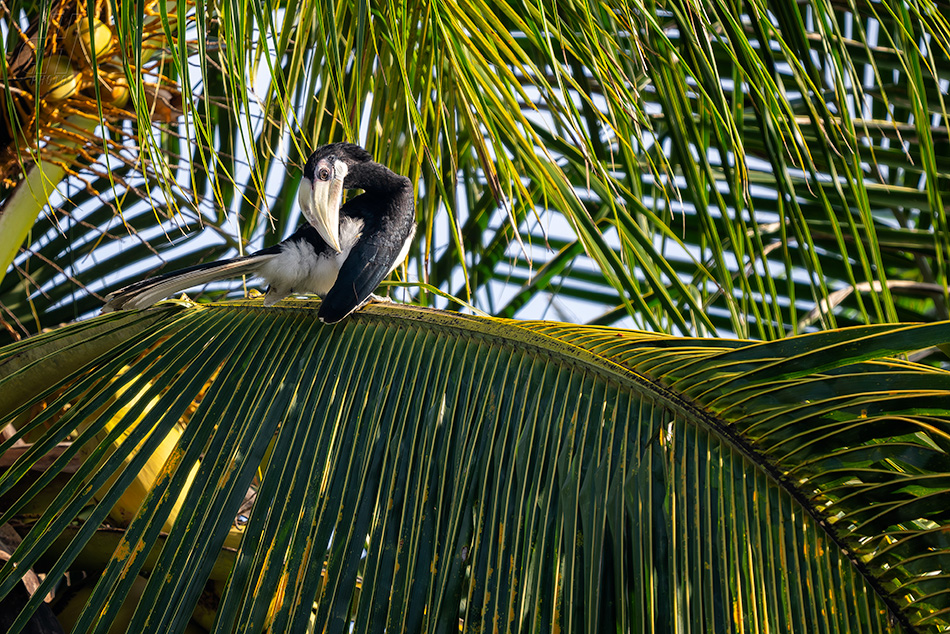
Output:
x=341 y=255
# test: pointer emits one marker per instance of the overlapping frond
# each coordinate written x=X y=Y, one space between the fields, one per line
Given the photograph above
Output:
x=423 y=471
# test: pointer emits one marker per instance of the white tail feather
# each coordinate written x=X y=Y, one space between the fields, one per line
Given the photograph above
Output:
x=145 y=293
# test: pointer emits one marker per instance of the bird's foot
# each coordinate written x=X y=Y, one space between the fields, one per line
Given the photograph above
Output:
x=381 y=299
x=374 y=299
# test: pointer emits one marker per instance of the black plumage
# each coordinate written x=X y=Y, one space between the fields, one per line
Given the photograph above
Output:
x=342 y=254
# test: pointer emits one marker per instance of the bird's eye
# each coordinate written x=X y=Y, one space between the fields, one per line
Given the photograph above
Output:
x=323 y=174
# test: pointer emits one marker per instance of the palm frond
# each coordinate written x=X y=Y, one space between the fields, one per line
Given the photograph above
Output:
x=723 y=169
x=425 y=471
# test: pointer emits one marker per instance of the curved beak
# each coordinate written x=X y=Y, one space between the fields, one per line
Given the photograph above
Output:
x=320 y=203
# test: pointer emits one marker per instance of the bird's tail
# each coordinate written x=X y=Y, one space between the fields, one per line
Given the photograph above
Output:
x=145 y=293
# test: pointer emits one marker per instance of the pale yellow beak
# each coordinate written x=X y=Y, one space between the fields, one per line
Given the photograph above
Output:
x=320 y=203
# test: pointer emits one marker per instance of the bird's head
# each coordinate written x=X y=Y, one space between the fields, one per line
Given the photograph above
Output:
x=321 y=191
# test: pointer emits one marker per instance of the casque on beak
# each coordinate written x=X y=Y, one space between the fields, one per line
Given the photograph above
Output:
x=320 y=202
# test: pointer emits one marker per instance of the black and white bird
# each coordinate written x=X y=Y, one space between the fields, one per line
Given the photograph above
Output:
x=342 y=255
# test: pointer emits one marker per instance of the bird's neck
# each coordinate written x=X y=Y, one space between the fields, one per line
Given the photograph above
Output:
x=385 y=194
x=377 y=179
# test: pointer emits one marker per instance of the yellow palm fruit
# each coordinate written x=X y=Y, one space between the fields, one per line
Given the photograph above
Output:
x=116 y=86
x=58 y=79
x=83 y=44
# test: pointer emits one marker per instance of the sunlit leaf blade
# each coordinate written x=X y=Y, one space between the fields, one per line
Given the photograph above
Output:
x=425 y=471
x=723 y=169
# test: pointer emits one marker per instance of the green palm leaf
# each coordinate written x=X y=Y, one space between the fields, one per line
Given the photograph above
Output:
x=426 y=471
x=723 y=170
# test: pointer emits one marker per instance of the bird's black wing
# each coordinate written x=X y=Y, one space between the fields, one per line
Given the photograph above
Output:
x=369 y=262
